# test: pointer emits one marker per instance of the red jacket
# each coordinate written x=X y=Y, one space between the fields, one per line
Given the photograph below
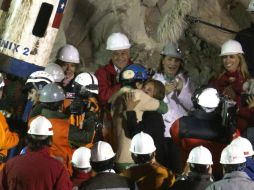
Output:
x=78 y=177
x=35 y=171
x=245 y=114
x=234 y=80
x=60 y=148
x=245 y=118
x=108 y=84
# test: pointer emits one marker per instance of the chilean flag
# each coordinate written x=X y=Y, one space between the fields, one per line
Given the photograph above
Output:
x=59 y=13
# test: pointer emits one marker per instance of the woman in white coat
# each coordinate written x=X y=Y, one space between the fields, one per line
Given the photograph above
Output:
x=178 y=96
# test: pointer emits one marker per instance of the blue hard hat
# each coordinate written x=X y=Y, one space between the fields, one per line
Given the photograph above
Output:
x=133 y=73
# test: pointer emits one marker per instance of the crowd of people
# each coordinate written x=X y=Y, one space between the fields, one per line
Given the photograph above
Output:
x=124 y=127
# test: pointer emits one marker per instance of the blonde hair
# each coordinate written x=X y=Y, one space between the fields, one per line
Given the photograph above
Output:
x=243 y=67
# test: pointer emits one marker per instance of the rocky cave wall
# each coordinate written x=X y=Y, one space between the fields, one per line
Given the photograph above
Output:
x=150 y=24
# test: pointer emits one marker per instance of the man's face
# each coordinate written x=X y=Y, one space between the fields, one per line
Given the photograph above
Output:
x=69 y=68
x=33 y=96
x=120 y=58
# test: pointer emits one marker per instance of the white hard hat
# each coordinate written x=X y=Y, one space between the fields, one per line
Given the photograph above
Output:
x=88 y=81
x=56 y=71
x=209 y=98
x=245 y=145
x=118 y=41
x=232 y=155
x=40 y=76
x=52 y=93
x=172 y=50
x=231 y=47
x=1 y=80
x=81 y=158
x=40 y=126
x=200 y=155
x=69 y=54
x=101 y=151
x=142 y=143
x=251 y=6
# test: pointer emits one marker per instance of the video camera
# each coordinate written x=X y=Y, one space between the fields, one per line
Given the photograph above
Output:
x=78 y=106
x=79 y=100
x=229 y=115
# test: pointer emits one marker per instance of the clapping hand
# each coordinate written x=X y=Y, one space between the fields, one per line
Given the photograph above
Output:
x=250 y=101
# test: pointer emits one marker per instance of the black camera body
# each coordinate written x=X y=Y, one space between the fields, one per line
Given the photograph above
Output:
x=80 y=100
x=229 y=116
x=78 y=106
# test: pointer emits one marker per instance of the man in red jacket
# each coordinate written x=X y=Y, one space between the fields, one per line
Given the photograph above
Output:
x=36 y=169
x=119 y=46
x=107 y=76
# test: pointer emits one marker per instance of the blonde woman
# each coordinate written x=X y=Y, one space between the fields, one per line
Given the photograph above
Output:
x=235 y=72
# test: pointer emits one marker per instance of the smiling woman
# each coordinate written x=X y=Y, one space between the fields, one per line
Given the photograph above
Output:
x=178 y=95
x=235 y=73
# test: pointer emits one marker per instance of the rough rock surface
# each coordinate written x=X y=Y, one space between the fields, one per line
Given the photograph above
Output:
x=150 y=24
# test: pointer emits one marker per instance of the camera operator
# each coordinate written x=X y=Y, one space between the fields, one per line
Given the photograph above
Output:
x=204 y=126
x=84 y=108
x=67 y=137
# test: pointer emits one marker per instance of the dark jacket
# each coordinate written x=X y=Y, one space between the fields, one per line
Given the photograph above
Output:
x=194 y=181
x=35 y=171
x=108 y=180
x=197 y=129
x=250 y=168
x=152 y=124
x=233 y=181
x=150 y=176
x=69 y=87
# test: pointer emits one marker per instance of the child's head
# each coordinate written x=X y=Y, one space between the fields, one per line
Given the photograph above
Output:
x=155 y=89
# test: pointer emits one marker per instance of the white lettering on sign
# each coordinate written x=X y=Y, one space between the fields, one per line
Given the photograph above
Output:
x=14 y=47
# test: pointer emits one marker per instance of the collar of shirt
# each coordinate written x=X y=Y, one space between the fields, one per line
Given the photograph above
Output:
x=117 y=69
